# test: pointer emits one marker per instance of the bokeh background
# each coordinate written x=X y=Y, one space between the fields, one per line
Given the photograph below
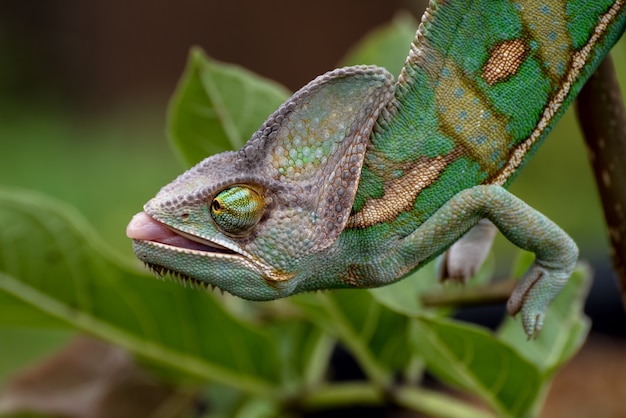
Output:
x=84 y=87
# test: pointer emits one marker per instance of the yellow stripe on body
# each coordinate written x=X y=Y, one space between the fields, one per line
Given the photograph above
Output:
x=547 y=25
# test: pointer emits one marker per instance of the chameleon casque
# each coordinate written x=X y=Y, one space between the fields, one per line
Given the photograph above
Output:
x=357 y=180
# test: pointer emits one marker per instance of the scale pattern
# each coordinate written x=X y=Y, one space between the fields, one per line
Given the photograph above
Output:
x=482 y=86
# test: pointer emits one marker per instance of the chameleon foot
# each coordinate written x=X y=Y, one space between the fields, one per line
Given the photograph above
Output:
x=533 y=295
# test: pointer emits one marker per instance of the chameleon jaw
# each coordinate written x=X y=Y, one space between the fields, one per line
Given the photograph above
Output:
x=151 y=236
x=161 y=269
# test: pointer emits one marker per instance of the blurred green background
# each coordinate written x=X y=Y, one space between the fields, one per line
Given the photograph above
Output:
x=84 y=89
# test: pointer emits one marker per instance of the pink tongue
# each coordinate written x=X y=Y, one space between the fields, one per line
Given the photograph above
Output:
x=143 y=227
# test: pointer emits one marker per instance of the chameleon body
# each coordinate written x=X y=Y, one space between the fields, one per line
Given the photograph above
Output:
x=357 y=180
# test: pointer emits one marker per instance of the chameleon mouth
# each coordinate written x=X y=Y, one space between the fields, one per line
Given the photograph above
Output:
x=147 y=232
x=145 y=228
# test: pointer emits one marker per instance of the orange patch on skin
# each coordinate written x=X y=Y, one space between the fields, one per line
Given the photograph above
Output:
x=504 y=61
x=351 y=277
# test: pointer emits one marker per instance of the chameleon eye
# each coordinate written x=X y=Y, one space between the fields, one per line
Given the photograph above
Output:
x=237 y=209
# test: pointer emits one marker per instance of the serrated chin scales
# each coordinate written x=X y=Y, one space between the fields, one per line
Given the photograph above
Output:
x=165 y=273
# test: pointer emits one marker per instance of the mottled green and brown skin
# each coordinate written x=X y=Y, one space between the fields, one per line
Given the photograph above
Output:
x=356 y=180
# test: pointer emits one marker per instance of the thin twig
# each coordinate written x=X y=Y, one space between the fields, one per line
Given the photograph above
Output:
x=493 y=293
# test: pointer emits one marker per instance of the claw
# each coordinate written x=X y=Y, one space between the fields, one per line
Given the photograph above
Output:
x=532 y=324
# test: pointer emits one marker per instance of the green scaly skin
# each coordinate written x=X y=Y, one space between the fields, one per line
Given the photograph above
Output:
x=356 y=181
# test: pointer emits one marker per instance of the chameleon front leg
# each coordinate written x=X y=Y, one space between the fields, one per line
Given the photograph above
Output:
x=555 y=252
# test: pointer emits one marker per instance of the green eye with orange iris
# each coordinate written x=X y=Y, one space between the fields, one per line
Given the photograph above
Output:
x=237 y=209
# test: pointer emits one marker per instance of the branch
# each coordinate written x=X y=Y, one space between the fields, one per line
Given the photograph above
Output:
x=600 y=110
x=492 y=293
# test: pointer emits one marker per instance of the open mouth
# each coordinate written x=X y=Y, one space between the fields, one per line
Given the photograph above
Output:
x=143 y=227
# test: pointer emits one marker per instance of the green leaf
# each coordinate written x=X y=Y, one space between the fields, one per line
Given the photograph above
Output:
x=16 y=313
x=50 y=259
x=404 y=296
x=522 y=261
x=509 y=372
x=305 y=352
x=469 y=357
x=387 y=46
x=217 y=107
x=375 y=335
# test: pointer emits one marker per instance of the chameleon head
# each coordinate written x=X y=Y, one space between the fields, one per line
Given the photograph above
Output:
x=207 y=233
x=244 y=221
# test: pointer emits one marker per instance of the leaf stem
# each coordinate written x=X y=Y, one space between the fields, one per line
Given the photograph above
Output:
x=435 y=404
x=428 y=402
x=340 y=394
x=380 y=377
x=497 y=292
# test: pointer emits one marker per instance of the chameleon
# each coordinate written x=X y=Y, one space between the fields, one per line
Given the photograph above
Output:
x=358 y=179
